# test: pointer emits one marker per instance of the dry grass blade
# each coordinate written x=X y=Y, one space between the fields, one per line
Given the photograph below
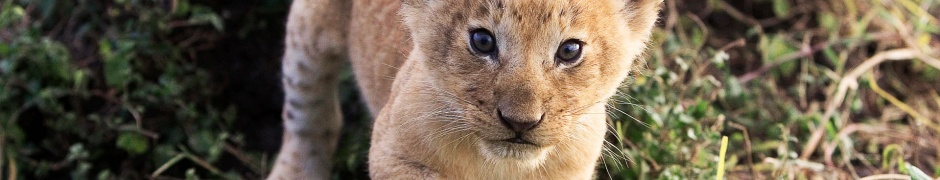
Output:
x=914 y=8
x=12 y=173
x=830 y=147
x=167 y=165
x=786 y=58
x=203 y=163
x=936 y=97
x=747 y=147
x=901 y=105
x=737 y=15
x=243 y=158
x=850 y=80
x=721 y=158
x=924 y=57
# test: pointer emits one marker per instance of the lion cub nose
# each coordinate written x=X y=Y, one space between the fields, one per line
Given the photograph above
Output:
x=519 y=124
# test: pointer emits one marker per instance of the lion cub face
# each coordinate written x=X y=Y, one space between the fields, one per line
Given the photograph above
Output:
x=520 y=74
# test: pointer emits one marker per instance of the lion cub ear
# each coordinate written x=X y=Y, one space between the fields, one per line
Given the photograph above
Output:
x=642 y=14
x=414 y=13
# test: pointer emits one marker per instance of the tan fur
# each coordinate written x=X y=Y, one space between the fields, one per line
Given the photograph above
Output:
x=436 y=102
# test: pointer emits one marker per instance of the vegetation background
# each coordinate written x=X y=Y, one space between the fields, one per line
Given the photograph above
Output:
x=189 y=89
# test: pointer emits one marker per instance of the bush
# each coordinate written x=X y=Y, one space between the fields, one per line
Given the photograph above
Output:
x=135 y=89
x=114 y=89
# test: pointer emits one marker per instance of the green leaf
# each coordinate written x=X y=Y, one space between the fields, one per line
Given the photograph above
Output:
x=776 y=47
x=829 y=22
x=781 y=7
x=890 y=152
x=79 y=79
x=77 y=152
x=14 y=133
x=699 y=110
x=10 y=14
x=916 y=173
x=133 y=143
x=203 y=15
x=191 y=174
x=182 y=7
x=105 y=175
x=117 y=65
x=5 y=50
x=81 y=172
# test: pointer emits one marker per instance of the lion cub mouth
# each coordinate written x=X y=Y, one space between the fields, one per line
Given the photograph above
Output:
x=515 y=149
x=519 y=140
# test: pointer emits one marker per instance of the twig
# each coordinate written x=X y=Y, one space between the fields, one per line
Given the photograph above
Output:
x=139 y=122
x=929 y=60
x=167 y=165
x=920 y=13
x=12 y=174
x=673 y=15
x=736 y=43
x=830 y=147
x=701 y=25
x=653 y=164
x=150 y=134
x=242 y=157
x=886 y=176
x=136 y=115
x=138 y=127
x=264 y=164
x=936 y=97
x=804 y=52
x=901 y=105
x=850 y=80
x=814 y=140
x=204 y=164
x=199 y=161
x=747 y=147
x=738 y=15
x=797 y=163
x=798 y=10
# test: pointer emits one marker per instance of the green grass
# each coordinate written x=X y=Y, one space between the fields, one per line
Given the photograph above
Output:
x=174 y=89
x=771 y=82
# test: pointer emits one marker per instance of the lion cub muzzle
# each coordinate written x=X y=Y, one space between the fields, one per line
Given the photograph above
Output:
x=519 y=126
x=520 y=111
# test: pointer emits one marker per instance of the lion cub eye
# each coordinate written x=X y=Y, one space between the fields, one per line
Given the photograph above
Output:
x=482 y=41
x=569 y=52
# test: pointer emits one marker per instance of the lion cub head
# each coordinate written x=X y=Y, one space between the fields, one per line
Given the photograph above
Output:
x=518 y=75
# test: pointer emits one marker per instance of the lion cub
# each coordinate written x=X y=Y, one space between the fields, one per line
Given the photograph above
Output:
x=461 y=89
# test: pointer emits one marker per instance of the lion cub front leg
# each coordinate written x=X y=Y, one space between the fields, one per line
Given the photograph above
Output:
x=396 y=167
x=315 y=51
x=386 y=157
x=386 y=161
